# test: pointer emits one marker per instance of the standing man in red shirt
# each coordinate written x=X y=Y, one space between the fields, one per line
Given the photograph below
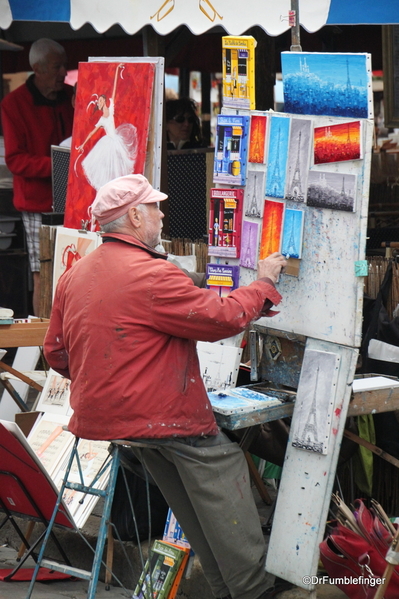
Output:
x=34 y=117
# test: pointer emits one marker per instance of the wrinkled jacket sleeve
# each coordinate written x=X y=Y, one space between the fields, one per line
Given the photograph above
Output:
x=53 y=346
x=180 y=309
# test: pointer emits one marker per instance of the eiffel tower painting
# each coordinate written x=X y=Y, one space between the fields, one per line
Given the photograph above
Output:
x=299 y=157
x=292 y=233
x=254 y=189
x=309 y=437
x=278 y=152
x=295 y=192
x=311 y=426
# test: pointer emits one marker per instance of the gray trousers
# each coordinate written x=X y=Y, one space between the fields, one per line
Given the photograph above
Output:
x=206 y=484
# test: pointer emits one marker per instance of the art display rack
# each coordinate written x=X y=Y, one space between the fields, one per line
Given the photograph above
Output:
x=323 y=237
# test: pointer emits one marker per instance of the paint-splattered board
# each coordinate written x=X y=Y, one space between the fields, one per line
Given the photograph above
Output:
x=307 y=483
x=325 y=300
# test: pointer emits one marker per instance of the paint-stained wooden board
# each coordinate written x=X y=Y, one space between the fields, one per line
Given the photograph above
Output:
x=325 y=300
x=307 y=483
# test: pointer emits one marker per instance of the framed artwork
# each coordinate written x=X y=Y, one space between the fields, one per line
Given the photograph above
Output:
x=272 y=227
x=338 y=143
x=277 y=156
x=110 y=131
x=332 y=190
x=330 y=84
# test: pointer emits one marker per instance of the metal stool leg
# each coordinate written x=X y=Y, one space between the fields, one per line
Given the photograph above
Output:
x=103 y=529
x=108 y=494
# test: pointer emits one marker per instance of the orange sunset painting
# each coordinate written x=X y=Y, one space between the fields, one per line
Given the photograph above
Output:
x=336 y=143
x=271 y=228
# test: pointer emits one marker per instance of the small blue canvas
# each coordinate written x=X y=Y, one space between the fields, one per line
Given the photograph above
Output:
x=331 y=84
x=292 y=233
x=277 y=156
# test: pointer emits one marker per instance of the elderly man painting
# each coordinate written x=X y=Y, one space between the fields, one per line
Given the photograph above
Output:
x=35 y=116
x=123 y=329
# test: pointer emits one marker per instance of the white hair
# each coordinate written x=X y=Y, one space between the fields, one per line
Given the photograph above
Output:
x=40 y=49
x=119 y=223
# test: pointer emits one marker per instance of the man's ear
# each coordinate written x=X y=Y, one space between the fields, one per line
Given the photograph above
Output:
x=135 y=217
x=38 y=68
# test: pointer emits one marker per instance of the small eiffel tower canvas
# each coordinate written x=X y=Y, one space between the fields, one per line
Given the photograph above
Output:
x=298 y=159
x=311 y=425
x=291 y=246
x=277 y=156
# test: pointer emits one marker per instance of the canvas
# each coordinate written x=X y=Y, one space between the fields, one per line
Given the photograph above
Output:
x=271 y=228
x=254 y=194
x=54 y=398
x=291 y=246
x=110 y=131
x=50 y=442
x=338 y=142
x=277 y=156
x=219 y=365
x=328 y=189
x=314 y=402
x=331 y=84
x=249 y=245
x=298 y=159
x=222 y=278
x=225 y=218
x=238 y=68
x=257 y=139
x=231 y=149
x=70 y=246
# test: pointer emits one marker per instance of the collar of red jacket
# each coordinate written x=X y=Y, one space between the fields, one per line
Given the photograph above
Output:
x=130 y=240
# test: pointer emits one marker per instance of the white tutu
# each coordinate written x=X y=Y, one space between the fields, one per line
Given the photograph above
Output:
x=114 y=155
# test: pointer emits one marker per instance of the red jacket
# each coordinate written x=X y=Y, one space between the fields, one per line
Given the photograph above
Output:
x=123 y=329
x=31 y=125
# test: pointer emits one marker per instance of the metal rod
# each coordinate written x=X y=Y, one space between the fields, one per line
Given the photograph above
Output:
x=295 y=31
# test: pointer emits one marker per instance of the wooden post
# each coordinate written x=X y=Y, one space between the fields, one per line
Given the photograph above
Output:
x=47 y=243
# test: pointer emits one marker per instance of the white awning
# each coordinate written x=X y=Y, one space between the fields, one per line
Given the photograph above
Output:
x=234 y=16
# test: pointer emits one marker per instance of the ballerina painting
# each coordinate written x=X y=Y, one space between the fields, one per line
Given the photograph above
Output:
x=114 y=154
x=110 y=133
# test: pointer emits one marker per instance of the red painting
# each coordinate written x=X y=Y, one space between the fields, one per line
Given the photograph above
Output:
x=257 y=139
x=336 y=143
x=110 y=130
x=271 y=228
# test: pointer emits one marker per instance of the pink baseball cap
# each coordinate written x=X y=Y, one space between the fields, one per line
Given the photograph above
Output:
x=115 y=198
